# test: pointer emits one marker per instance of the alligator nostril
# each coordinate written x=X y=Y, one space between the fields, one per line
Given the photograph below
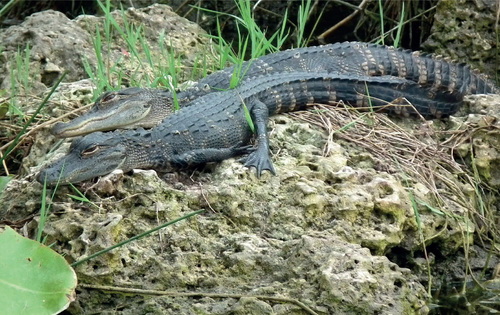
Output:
x=56 y=129
x=41 y=177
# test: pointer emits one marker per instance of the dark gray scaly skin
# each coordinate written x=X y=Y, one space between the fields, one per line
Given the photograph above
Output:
x=138 y=107
x=214 y=127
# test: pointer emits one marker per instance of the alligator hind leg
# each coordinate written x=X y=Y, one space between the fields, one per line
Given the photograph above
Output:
x=260 y=158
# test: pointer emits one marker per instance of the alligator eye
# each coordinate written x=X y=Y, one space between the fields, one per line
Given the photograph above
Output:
x=108 y=98
x=89 y=151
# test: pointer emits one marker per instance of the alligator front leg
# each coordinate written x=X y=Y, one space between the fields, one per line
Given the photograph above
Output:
x=260 y=158
x=200 y=156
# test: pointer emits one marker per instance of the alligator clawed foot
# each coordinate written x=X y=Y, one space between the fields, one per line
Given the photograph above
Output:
x=261 y=160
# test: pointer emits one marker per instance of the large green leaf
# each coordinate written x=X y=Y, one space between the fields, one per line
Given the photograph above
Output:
x=33 y=278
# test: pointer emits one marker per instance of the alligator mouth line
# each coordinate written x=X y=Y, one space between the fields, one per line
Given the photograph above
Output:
x=88 y=122
x=103 y=122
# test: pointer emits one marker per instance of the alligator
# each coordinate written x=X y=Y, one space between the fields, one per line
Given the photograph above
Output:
x=215 y=126
x=140 y=107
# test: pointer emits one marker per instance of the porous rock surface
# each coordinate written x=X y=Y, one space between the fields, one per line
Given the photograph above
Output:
x=483 y=124
x=465 y=30
x=313 y=233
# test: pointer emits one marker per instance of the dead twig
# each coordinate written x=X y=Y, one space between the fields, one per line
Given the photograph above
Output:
x=42 y=125
x=325 y=34
x=304 y=307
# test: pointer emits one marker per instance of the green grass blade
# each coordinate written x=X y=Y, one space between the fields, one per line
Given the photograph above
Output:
x=401 y=24
x=76 y=263
x=43 y=212
x=304 y=10
x=381 y=16
x=81 y=197
x=32 y=118
x=44 y=208
x=6 y=8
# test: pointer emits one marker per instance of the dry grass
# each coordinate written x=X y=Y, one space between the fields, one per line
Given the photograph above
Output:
x=418 y=152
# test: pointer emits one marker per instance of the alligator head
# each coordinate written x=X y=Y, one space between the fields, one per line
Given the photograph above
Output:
x=90 y=156
x=124 y=109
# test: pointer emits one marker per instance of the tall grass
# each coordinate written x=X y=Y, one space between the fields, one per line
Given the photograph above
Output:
x=19 y=78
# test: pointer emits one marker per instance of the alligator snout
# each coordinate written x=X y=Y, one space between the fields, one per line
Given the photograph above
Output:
x=57 y=129
x=48 y=176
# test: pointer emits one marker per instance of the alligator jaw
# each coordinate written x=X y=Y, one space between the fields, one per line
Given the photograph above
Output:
x=58 y=174
x=126 y=114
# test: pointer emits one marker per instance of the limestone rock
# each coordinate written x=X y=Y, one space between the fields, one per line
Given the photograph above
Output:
x=465 y=31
